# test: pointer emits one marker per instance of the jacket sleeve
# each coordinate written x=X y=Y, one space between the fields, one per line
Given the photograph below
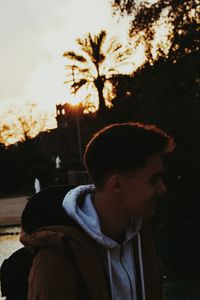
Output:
x=53 y=276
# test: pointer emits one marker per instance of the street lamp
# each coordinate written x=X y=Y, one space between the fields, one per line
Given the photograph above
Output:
x=77 y=119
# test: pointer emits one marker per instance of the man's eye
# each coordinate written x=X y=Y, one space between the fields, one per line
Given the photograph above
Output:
x=155 y=180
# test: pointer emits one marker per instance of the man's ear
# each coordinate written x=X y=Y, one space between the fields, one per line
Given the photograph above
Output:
x=115 y=184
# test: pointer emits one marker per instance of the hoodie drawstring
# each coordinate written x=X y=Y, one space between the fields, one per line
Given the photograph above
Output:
x=110 y=273
x=141 y=265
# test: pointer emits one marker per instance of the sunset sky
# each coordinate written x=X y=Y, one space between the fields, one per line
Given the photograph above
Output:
x=34 y=35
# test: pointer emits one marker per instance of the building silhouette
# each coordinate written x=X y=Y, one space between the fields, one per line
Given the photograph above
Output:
x=67 y=114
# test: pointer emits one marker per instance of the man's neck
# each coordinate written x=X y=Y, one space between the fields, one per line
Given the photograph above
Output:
x=112 y=219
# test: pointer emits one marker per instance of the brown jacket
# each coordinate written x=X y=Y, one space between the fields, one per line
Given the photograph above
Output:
x=68 y=265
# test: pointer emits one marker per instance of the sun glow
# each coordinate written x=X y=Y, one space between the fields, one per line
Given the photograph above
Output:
x=41 y=34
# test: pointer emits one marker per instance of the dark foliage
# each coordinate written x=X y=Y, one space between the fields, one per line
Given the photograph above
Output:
x=183 y=16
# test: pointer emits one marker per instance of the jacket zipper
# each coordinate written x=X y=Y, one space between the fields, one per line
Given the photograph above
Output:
x=121 y=255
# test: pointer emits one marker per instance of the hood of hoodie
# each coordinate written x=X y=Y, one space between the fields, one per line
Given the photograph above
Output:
x=79 y=206
x=44 y=222
x=52 y=236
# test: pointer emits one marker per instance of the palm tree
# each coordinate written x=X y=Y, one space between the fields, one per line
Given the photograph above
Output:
x=95 y=63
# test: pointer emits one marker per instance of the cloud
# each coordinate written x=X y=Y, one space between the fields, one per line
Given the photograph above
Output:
x=25 y=27
x=34 y=34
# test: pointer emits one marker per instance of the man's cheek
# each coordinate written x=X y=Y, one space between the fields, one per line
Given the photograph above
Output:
x=147 y=200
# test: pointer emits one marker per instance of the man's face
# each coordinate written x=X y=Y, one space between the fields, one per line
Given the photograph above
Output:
x=143 y=189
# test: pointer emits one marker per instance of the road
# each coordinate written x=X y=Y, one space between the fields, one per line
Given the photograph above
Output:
x=11 y=210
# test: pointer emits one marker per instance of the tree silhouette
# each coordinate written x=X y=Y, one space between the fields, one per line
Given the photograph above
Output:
x=181 y=17
x=95 y=63
x=25 y=124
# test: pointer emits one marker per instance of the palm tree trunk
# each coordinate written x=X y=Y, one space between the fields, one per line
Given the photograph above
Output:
x=99 y=84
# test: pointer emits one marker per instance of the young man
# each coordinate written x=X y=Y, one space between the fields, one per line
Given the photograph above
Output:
x=95 y=242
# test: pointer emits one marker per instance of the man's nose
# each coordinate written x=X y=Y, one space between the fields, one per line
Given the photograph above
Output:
x=161 y=189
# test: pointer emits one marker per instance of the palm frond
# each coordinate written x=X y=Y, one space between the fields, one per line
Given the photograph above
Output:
x=74 y=56
x=101 y=39
x=92 y=46
x=70 y=67
x=84 y=71
x=114 y=45
x=77 y=85
x=78 y=70
x=112 y=70
x=68 y=81
x=120 y=57
x=85 y=46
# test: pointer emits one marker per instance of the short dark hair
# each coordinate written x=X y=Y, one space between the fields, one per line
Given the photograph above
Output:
x=124 y=147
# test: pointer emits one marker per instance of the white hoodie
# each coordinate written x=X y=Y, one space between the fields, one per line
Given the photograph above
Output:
x=118 y=259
